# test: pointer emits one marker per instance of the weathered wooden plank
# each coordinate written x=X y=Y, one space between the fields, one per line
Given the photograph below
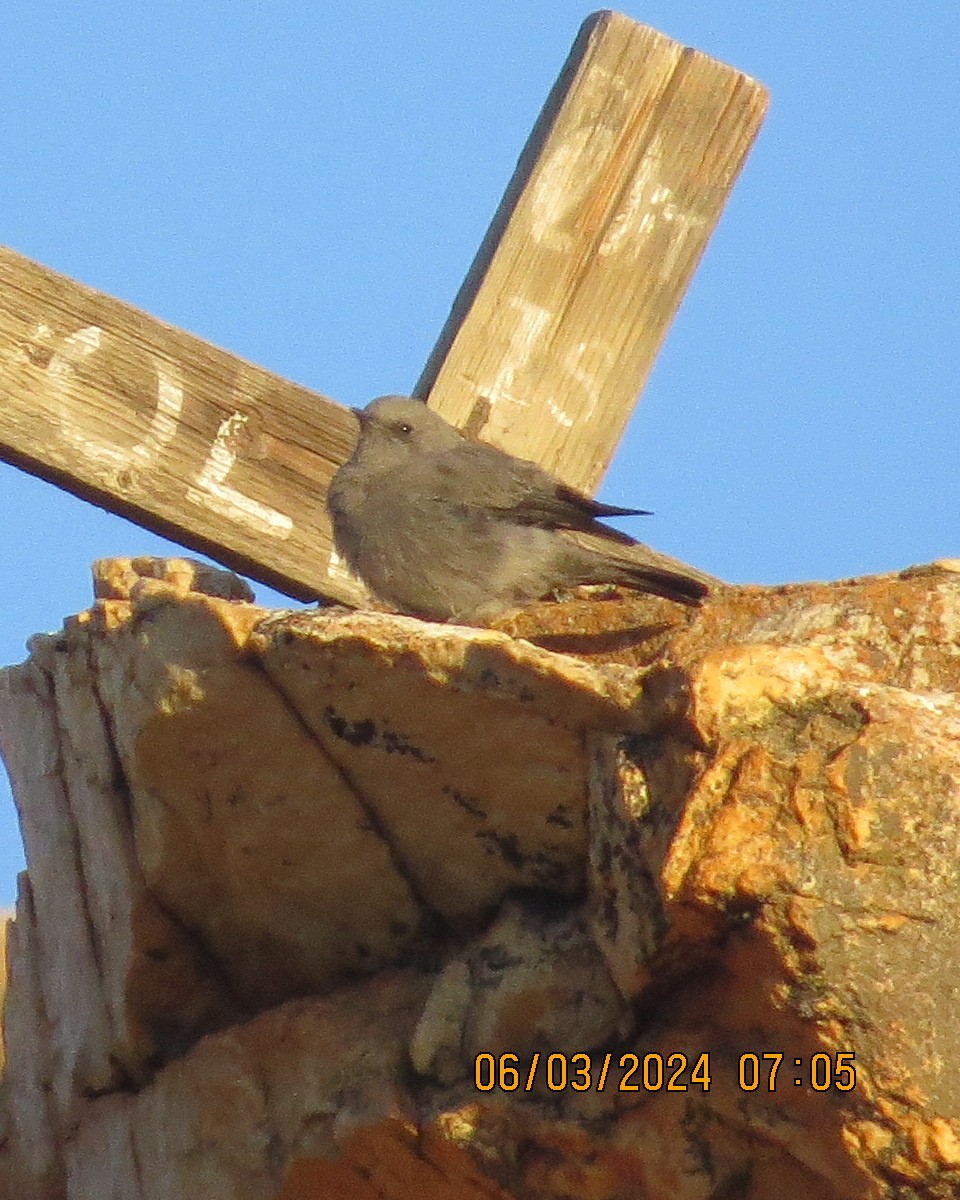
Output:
x=548 y=343
x=615 y=195
x=161 y=427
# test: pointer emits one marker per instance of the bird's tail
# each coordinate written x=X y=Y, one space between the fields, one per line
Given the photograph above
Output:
x=595 y=560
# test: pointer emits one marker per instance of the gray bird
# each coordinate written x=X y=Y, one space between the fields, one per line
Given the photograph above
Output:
x=450 y=529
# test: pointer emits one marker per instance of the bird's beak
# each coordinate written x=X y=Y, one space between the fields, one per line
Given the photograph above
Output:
x=359 y=413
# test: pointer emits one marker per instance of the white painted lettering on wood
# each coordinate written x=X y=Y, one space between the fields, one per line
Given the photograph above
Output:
x=212 y=491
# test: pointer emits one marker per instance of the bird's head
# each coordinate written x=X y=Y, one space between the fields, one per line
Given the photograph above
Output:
x=393 y=426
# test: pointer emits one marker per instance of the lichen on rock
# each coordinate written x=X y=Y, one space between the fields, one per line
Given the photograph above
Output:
x=609 y=900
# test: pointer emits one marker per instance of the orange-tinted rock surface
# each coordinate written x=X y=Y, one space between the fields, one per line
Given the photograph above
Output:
x=615 y=900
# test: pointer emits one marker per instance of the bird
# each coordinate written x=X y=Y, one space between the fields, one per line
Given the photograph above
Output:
x=445 y=528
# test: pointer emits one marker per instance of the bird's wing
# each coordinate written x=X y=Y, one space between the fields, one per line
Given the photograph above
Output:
x=511 y=489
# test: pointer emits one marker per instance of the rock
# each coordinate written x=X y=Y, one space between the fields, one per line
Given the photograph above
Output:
x=225 y=1121
x=610 y=900
x=464 y=747
x=533 y=984
x=244 y=830
x=121 y=578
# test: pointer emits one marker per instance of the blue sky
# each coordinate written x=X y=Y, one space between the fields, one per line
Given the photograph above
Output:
x=306 y=184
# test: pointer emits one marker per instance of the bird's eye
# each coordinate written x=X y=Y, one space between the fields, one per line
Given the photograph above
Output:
x=404 y=429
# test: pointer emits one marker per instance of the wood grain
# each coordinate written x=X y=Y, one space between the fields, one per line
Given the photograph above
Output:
x=623 y=179
x=161 y=427
x=548 y=343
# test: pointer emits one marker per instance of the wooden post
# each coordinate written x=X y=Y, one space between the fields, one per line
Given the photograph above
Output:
x=548 y=343
x=611 y=206
x=161 y=427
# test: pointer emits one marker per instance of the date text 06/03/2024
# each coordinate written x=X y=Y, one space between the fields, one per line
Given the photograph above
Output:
x=766 y=1071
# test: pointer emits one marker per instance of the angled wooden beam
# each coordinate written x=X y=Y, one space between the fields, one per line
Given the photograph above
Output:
x=548 y=343
x=611 y=206
x=159 y=426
